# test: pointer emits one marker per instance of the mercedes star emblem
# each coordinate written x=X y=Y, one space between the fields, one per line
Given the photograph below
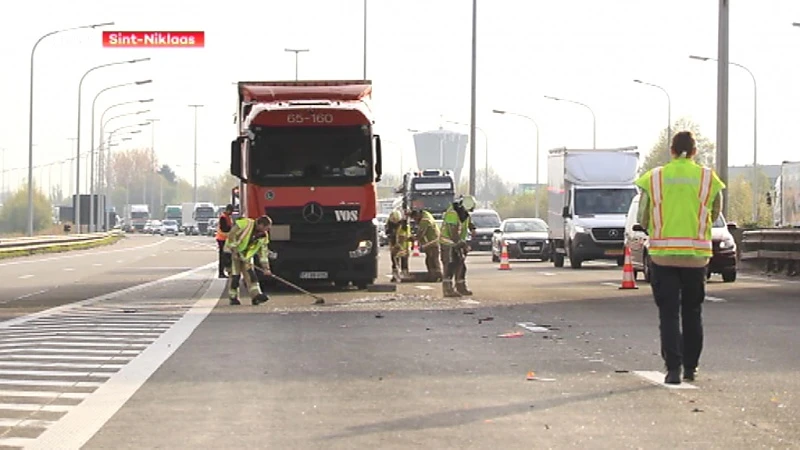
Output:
x=613 y=233
x=312 y=212
x=270 y=195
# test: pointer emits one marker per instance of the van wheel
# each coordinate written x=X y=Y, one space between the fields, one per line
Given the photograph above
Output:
x=575 y=263
x=729 y=276
x=558 y=260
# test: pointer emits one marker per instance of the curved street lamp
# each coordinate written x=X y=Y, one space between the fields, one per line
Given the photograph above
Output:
x=594 y=119
x=30 y=115
x=509 y=113
x=92 y=181
x=78 y=158
x=669 y=109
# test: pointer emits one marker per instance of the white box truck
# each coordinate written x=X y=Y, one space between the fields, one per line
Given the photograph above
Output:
x=188 y=223
x=589 y=193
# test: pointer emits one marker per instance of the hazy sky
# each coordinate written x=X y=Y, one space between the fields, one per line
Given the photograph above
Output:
x=419 y=61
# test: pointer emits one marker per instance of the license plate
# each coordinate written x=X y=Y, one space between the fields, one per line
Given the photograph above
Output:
x=614 y=253
x=532 y=249
x=314 y=275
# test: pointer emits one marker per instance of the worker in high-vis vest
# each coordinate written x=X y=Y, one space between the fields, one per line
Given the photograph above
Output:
x=224 y=225
x=398 y=233
x=453 y=240
x=428 y=239
x=678 y=204
x=247 y=239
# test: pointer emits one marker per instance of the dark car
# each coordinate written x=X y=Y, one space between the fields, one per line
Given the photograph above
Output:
x=485 y=222
x=722 y=262
x=524 y=239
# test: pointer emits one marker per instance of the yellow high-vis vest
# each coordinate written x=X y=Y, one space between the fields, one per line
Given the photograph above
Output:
x=681 y=195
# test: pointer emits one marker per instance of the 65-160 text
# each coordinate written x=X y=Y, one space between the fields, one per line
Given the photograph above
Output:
x=312 y=118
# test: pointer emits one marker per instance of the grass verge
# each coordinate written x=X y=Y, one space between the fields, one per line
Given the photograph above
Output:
x=108 y=240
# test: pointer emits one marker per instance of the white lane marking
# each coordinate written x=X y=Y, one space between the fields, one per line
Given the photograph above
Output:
x=45 y=394
x=775 y=280
x=81 y=254
x=657 y=378
x=55 y=373
x=81 y=423
x=25 y=423
x=123 y=359
x=548 y=274
x=50 y=383
x=530 y=326
x=51 y=343
x=25 y=277
x=715 y=299
x=424 y=288
x=60 y=351
x=608 y=283
x=34 y=407
x=120 y=261
x=97 y=264
x=27 y=295
x=470 y=302
x=64 y=365
x=68 y=269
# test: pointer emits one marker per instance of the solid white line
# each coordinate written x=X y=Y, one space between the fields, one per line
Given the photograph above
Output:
x=55 y=373
x=48 y=312
x=50 y=383
x=108 y=359
x=25 y=423
x=657 y=378
x=44 y=394
x=33 y=407
x=46 y=344
x=24 y=277
x=98 y=339
x=82 y=254
x=424 y=288
x=80 y=424
x=33 y=334
x=54 y=365
x=715 y=299
x=57 y=351
x=16 y=441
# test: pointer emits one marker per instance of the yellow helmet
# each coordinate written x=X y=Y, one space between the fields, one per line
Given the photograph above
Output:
x=395 y=216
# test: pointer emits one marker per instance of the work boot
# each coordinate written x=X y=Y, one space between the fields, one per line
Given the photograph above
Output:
x=689 y=374
x=235 y=301
x=461 y=288
x=259 y=299
x=448 y=291
x=222 y=274
x=673 y=376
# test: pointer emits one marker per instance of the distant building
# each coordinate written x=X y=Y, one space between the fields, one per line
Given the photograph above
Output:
x=441 y=149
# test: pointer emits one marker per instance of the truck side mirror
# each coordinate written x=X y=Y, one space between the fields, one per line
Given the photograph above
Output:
x=236 y=157
x=497 y=231
x=378 y=159
x=731 y=226
x=565 y=213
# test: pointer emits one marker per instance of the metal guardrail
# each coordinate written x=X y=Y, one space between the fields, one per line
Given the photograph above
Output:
x=37 y=242
x=777 y=249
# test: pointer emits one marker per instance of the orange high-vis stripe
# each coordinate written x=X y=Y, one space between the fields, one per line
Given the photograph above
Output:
x=221 y=235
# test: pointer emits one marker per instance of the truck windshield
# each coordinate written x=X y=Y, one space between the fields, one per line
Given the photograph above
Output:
x=204 y=212
x=434 y=203
x=485 y=220
x=603 y=201
x=173 y=212
x=140 y=215
x=294 y=156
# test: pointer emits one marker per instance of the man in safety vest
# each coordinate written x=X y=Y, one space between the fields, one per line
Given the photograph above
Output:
x=248 y=238
x=678 y=204
x=428 y=239
x=454 y=247
x=399 y=234
x=224 y=225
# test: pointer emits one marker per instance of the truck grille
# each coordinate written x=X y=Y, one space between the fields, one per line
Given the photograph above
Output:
x=326 y=233
x=608 y=234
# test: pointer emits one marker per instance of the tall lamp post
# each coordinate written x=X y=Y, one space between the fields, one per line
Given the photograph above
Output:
x=755 y=130
x=594 y=119
x=92 y=180
x=297 y=52
x=669 y=110
x=365 y=40
x=473 y=113
x=194 y=189
x=509 y=113
x=30 y=115
x=78 y=153
x=152 y=155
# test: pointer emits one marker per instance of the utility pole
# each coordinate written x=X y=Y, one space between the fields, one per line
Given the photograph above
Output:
x=194 y=194
x=473 y=100
x=722 y=97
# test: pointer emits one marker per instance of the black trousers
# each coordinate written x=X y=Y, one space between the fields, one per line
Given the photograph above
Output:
x=224 y=258
x=679 y=293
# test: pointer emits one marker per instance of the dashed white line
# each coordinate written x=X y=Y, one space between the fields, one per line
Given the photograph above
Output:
x=30 y=295
x=470 y=302
x=657 y=378
x=68 y=269
x=25 y=277
x=424 y=288
x=120 y=261
x=715 y=299
x=608 y=283
x=97 y=264
x=548 y=274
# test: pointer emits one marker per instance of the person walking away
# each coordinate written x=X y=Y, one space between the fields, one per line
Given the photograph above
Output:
x=428 y=239
x=247 y=239
x=452 y=246
x=394 y=224
x=467 y=228
x=224 y=225
x=678 y=204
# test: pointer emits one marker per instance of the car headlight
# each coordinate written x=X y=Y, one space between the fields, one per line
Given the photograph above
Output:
x=511 y=241
x=579 y=229
x=727 y=244
x=364 y=248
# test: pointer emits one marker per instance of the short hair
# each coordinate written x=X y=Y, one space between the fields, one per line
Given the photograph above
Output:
x=229 y=207
x=683 y=143
x=264 y=220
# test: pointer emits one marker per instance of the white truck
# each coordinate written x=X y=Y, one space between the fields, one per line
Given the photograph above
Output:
x=136 y=217
x=188 y=224
x=589 y=193
x=785 y=197
x=203 y=212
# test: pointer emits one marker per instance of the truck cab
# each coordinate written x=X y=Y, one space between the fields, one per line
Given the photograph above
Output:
x=432 y=189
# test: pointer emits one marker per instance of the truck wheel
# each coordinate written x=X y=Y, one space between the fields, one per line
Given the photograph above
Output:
x=341 y=284
x=558 y=260
x=729 y=276
x=575 y=263
x=361 y=285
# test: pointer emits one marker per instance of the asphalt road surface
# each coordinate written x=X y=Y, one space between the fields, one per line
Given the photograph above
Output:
x=139 y=351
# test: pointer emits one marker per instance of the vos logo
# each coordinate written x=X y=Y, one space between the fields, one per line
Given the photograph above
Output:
x=346 y=215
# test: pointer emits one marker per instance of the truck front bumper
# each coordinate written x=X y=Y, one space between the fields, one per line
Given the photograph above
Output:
x=300 y=265
x=585 y=248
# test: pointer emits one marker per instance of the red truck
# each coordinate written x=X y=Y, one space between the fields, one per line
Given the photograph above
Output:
x=308 y=157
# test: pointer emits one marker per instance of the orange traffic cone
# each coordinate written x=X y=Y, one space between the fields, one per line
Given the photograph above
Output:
x=416 y=249
x=628 y=275
x=504 y=264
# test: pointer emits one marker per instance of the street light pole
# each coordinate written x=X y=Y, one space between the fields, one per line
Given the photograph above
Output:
x=152 y=154
x=500 y=111
x=365 y=41
x=473 y=98
x=78 y=153
x=30 y=116
x=92 y=181
x=194 y=191
x=297 y=52
x=594 y=119
x=669 y=111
